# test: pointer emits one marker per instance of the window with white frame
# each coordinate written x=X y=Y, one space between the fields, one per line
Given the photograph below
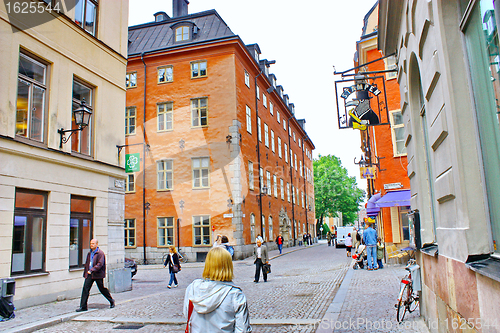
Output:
x=288 y=191
x=266 y=135
x=201 y=172
x=302 y=197
x=284 y=124
x=271 y=236
x=131 y=80
x=165 y=172
x=247 y=79
x=165 y=74
x=130 y=183
x=282 y=188
x=293 y=194
x=300 y=168
x=295 y=157
x=198 y=69
x=252 y=228
x=258 y=92
x=300 y=144
x=271 y=108
x=268 y=178
x=294 y=137
x=165 y=116
x=250 y=175
x=165 y=231
x=259 y=129
x=263 y=222
x=391 y=63
x=31 y=119
x=398 y=133
x=261 y=180
x=264 y=100
x=275 y=184
x=278 y=116
x=249 y=119
x=273 y=147
x=289 y=131
x=81 y=141
x=286 y=153
x=279 y=147
x=130 y=121
x=291 y=158
x=86 y=15
x=201 y=230
x=199 y=112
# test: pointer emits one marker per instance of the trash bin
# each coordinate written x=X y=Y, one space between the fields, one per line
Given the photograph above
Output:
x=7 y=291
x=415 y=277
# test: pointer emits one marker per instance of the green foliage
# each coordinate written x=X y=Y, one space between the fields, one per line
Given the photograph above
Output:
x=334 y=190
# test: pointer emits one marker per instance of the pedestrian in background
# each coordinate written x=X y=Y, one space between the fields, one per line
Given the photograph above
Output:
x=356 y=239
x=304 y=238
x=348 y=244
x=329 y=238
x=214 y=303
x=174 y=266
x=94 y=271
x=279 y=242
x=370 y=239
x=225 y=244
x=309 y=239
x=380 y=253
x=260 y=258
x=218 y=241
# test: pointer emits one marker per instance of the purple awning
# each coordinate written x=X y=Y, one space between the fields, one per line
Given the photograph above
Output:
x=395 y=198
x=371 y=208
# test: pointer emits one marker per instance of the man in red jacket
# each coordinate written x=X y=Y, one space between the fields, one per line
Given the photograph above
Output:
x=95 y=270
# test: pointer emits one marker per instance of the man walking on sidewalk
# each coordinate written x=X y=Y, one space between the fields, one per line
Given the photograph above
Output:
x=261 y=258
x=95 y=270
x=370 y=239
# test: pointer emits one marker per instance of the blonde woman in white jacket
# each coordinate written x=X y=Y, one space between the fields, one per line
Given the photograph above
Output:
x=217 y=304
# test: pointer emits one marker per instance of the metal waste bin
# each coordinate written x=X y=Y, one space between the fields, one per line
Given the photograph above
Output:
x=7 y=288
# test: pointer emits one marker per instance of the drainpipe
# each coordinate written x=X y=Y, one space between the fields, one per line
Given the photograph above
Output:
x=144 y=167
x=304 y=175
x=258 y=152
x=291 y=177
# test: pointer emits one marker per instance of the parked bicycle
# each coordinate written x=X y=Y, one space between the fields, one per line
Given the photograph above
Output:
x=182 y=257
x=408 y=300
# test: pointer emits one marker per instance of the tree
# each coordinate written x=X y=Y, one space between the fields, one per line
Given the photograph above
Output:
x=334 y=190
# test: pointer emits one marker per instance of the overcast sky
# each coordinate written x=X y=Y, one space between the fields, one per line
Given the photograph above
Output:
x=306 y=38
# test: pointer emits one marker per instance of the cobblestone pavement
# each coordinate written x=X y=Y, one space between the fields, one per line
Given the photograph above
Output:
x=369 y=304
x=298 y=292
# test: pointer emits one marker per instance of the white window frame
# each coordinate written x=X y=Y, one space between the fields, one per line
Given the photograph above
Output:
x=165 y=172
x=271 y=108
x=264 y=100
x=278 y=116
x=200 y=170
x=288 y=191
x=259 y=129
x=279 y=147
x=250 y=176
x=268 y=178
x=168 y=110
x=282 y=186
x=266 y=135
x=275 y=186
x=258 y=92
x=247 y=79
x=273 y=146
x=249 y=119
x=395 y=127
x=286 y=152
x=128 y=119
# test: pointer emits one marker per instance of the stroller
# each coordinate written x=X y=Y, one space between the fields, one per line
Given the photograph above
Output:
x=360 y=257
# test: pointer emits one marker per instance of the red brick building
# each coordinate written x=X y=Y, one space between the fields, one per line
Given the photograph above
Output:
x=385 y=144
x=212 y=119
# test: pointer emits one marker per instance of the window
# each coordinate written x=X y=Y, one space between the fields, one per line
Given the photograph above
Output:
x=250 y=175
x=302 y=197
x=300 y=168
x=391 y=63
x=131 y=80
x=263 y=223
x=258 y=92
x=182 y=34
x=165 y=74
x=199 y=112
x=249 y=119
x=291 y=158
x=290 y=131
x=300 y=144
x=279 y=147
x=403 y=216
x=201 y=169
x=398 y=133
x=294 y=137
x=293 y=194
x=80 y=230
x=28 y=238
x=275 y=184
x=286 y=153
x=268 y=177
x=165 y=231
x=271 y=236
x=165 y=171
x=129 y=233
x=259 y=134
x=284 y=124
x=264 y=100
x=295 y=157
x=252 y=228
x=31 y=88
x=278 y=117
x=282 y=187
x=81 y=141
x=261 y=180
x=130 y=183
x=86 y=15
x=201 y=230
x=273 y=147
x=288 y=191
x=271 y=108
x=198 y=69
x=130 y=114
x=165 y=116
x=266 y=135
x=247 y=79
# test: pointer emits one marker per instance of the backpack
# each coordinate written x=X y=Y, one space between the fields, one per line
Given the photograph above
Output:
x=358 y=237
x=6 y=309
x=230 y=249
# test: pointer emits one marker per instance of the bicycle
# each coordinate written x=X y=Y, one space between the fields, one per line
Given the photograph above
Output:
x=182 y=257
x=408 y=300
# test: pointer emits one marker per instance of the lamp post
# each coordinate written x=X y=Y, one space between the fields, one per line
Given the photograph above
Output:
x=82 y=120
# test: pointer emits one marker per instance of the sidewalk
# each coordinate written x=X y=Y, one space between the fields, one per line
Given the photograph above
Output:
x=365 y=303
x=46 y=315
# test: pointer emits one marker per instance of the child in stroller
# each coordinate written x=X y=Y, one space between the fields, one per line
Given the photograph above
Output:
x=359 y=257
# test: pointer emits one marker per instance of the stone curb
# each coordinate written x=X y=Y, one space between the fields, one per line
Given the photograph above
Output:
x=38 y=325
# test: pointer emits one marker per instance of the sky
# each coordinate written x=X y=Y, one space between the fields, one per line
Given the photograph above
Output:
x=306 y=39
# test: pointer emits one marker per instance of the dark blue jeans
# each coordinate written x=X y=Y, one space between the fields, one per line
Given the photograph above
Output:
x=172 y=279
x=280 y=247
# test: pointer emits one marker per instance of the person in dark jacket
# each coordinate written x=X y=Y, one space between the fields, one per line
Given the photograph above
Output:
x=279 y=242
x=172 y=259
x=95 y=270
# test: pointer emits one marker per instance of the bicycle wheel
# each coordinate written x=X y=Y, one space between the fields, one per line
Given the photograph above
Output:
x=164 y=257
x=413 y=303
x=183 y=257
x=402 y=304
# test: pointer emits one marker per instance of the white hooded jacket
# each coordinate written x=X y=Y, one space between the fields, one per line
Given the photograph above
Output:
x=218 y=307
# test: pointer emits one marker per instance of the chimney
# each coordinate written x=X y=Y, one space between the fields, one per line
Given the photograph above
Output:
x=180 y=8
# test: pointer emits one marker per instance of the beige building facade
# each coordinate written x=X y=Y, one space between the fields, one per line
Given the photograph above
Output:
x=56 y=196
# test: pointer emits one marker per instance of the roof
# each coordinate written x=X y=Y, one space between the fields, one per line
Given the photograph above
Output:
x=155 y=36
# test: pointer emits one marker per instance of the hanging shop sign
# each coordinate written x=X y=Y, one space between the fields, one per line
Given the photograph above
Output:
x=132 y=162
x=368 y=172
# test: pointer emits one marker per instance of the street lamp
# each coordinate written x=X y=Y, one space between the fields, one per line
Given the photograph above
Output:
x=82 y=120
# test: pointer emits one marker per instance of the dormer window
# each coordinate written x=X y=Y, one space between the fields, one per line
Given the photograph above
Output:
x=182 y=34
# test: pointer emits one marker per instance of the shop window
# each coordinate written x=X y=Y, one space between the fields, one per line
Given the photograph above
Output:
x=80 y=230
